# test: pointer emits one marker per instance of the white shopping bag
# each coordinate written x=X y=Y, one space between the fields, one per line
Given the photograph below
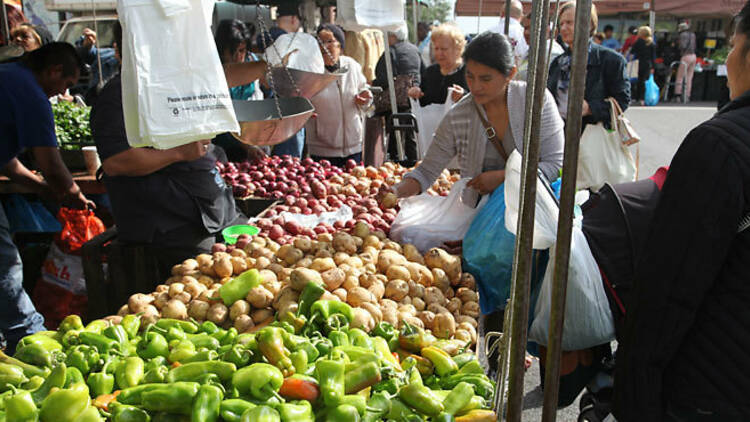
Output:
x=427 y=221
x=428 y=120
x=602 y=157
x=307 y=57
x=173 y=84
x=358 y=15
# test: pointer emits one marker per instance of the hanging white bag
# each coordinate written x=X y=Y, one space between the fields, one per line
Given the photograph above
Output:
x=173 y=84
x=358 y=15
x=427 y=221
x=428 y=120
x=307 y=57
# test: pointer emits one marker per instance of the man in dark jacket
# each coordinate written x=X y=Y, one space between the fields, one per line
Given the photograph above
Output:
x=685 y=352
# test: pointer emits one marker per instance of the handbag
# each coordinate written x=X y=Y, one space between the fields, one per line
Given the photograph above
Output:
x=621 y=124
x=632 y=69
x=401 y=83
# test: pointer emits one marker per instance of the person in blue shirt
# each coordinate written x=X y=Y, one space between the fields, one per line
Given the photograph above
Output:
x=26 y=122
x=609 y=41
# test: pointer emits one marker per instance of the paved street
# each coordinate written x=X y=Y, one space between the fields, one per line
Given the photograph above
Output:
x=662 y=129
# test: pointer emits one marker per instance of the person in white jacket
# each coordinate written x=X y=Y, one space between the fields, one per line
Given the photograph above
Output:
x=337 y=132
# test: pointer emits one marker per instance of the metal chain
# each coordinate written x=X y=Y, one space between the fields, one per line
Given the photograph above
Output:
x=263 y=32
x=276 y=49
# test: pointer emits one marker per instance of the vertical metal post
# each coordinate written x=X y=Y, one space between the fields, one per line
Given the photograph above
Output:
x=567 y=197
x=506 y=29
x=652 y=17
x=392 y=92
x=415 y=6
x=522 y=260
x=479 y=16
x=5 y=28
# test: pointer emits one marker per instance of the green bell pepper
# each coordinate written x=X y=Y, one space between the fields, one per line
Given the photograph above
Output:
x=32 y=384
x=359 y=338
x=130 y=372
x=441 y=361
x=82 y=357
x=183 y=350
x=324 y=309
x=152 y=345
x=56 y=379
x=422 y=399
x=191 y=371
x=238 y=355
x=343 y=413
x=203 y=355
x=38 y=355
x=70 y=322
x=170 y=398
x=231 y=410
x=463 y=358
x=261 y=414
x=299 y=361
x=132 y=324
x=207 y=404
x=20 y=407
x=117 y=333
x=101 y=382
x=73 y=376
x=299 y=411
x=64 y=405
x=156 y=375
x=310 y=294
x=11 y=376
x=96 y=326
x=482 y=385
x=186 y=326
x=89 y=414
x=238 y=287
x=259 y=380
x=338 y=338
x=458 y=398
x=473 y=367
x=271 y=345
x=46 y=342
x=208 y=327
x=127 y=413
x=28 y=370
x=331 y=379
x=362 y=377
x=102 y=343
x=378 y=406
x=295 y=343
x=134 y=395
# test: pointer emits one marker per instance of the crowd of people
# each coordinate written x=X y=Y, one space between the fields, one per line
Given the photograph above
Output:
x=175 y=201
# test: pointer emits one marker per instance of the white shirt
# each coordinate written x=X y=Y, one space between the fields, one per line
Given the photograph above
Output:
x=517 y=40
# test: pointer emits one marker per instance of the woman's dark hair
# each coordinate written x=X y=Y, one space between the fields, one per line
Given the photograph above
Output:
x=493 y=50
x=335 y=30
x=230 y=33
x=743 y=25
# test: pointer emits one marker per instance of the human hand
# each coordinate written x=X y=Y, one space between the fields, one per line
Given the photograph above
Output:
x=363 y=98
x=586 y=110
x=193 y=150
x=255 y=154
x=285 y=59
x=458 y=93
x=76 y=199
x=487 y=182
x=652 y=71
x=415 y=92
x=89 y=38
x=408 y=187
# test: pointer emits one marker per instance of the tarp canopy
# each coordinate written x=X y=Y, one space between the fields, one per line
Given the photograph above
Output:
x=613 y=7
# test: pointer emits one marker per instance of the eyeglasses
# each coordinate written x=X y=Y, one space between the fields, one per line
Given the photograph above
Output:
x=330 y=42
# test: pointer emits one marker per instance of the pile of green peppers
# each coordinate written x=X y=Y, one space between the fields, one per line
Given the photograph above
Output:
x=305 y=367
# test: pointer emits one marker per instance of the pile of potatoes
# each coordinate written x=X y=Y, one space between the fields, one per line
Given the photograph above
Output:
x=381 y=279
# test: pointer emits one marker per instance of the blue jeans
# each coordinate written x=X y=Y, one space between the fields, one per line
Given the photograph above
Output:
x=18 y=317
x=292 y=146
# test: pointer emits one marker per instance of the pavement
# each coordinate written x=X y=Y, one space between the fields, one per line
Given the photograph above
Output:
x=662 y=129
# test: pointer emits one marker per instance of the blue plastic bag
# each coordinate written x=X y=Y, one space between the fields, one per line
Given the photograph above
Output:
x=28 y=216
x=652 y=92
x=488 y=253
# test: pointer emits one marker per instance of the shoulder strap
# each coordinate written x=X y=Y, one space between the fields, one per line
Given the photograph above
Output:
x=491 y=134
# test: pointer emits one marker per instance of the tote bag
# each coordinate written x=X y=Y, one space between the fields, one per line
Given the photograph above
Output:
x=428 y=120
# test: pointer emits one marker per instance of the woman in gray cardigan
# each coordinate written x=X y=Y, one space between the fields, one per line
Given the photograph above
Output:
x=490 y=68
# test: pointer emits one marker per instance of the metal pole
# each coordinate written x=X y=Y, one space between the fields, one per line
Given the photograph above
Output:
x=652 y=17
x=522 y=260
x=567 y=197
x=6 y=29
x=506 y=21
x=392 y=92
x=415 y=6
x=479 y=17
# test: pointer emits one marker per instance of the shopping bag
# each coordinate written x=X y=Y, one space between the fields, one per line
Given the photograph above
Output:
x=172 y=95
x=358 y=15
x=632 y=69
x=588 y=319
x=428 y=221
x=307 y=57
x=652 y=92
x=428 y=120
x=488 y=249
x=602 y=158
x=61 y=290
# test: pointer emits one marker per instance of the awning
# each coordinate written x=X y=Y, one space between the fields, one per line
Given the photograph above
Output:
x=613 y=7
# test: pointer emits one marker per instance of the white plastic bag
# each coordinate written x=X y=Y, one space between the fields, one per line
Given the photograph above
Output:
x=428 y=119
x=173 y=85
x=358 y=15
x=546 y=213
x=311 y=221
x=602 y=157
x=428 y=221
x=588 y=319
x=307 y=57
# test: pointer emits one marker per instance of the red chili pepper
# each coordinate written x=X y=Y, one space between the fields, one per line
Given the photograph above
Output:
x=298 y=388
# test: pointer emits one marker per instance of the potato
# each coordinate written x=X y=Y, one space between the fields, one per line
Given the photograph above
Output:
x=300 y=277
x=416 y=290
x=370 y=268
x=238 y=308
x=467 y=281
x=471 y=309
x=259 y=297
x=272 y=246
x=465 y=326
x=418 y=303
x=175 y=289
x=366 y=280
x=223 y=267
x=206 y=280
x=303 y=263
x=444 y=325
x=388 y=258
x=238 y=253
x=208 y=294
x=375 y=252
x=174 y=309
x=362 y=320
x=294 y=256
x=124 y=310
x=359 y=295
x=208 y=269
x=343 y=242
x=440 y=279
x=204 y=259
x=183 y=297
x=454 y=305
x=405 y=301
x=350 y=283
x=161 y=300
x=398 y=272
x=330 y=296
x=374 y=310
x=217 y=313
x=378 y=289
x=113 y=319
x=322 y=264
x=284 y=251
x=341 y=293
x=194 y=288
x=449 y=293
x=239 y=265
x=161 y=288
x=412 y=254
x=324 y=253
x=302 y=243
x=372 y=241
x=355 y=262
x=263 y=262
x=437 y=309
x=325 y=237
x=391 y=316
x=138 y=302
x=361 y=230
x=451 y=264
x=466 y=295
x=267 y=276
x=414 y=321
x=287 y=294
x=407 y=309
x=261 y=315
x=393 y=246
x=243 y=323
x=468 y=320
x=387 y=303
x=428 y=318
x=333 y=278
x=198 y=309
x=434 y=295
x=275 y=268
x=274 y=287
x=396 y=290
x=420 y=273
x=288 y=307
